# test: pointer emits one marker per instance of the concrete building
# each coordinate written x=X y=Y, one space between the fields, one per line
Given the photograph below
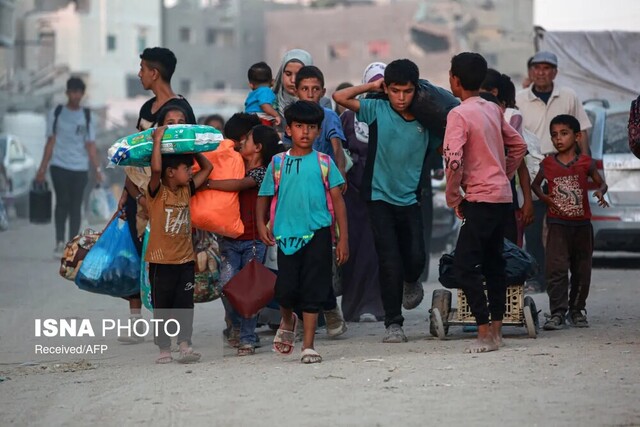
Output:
x=99 y=40
x=344 y=39
x=216 y=42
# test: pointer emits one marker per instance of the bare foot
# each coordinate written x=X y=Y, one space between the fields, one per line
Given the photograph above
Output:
x=496 y=331
x=482 y=346
x=486 y=341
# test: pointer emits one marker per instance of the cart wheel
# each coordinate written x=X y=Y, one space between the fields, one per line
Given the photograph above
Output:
x=530 y=317
x=440 y=301
x=436 y=320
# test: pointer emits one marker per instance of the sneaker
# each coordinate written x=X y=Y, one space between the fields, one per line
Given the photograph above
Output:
x=59 y=250
x=554 y=323
x=131 y=339
x=578 y=319
x=336 y=325
x=394 y=334
x=412 y=295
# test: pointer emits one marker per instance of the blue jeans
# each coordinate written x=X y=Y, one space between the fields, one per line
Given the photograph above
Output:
x=235 y=255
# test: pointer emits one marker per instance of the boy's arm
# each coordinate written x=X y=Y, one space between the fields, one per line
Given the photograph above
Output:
x=347 y=97
x=156 y=161
x=454 y=141
x=264 y=233
x=231 y=185
x=46 y=158
x=515 y=146
x=268 y=109
x=336 y=144
x=535 y=186
x=93 y=158
x=525 y=184
x=205 y=170
x=340 y=210
x=602 y=186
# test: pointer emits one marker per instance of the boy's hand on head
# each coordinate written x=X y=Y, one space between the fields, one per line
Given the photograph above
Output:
x=377 y=86
x=601 y=201
x=342 y=251
x=277 y=120
x=158 y=133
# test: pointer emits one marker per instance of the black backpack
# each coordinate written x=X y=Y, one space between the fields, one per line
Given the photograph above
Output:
x=634 y=128
x=58 y=110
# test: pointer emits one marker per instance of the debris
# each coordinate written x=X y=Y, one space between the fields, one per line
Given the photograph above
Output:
x=373 y=360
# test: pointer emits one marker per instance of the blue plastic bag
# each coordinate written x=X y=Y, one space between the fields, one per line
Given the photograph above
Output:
x=112 y=266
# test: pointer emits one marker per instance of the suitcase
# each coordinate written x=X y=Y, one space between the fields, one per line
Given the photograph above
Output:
x=40 y=203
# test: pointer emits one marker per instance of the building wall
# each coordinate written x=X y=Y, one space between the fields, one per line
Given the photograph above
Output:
x=215 y=45
x=357 y=32
x=101 y=42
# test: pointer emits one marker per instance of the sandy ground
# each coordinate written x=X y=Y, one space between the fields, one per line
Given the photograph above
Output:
x=571 y=377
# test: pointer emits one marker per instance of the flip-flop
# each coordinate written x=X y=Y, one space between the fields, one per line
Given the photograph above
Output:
x=163 y=360
x=285 y=337
x=309 y=355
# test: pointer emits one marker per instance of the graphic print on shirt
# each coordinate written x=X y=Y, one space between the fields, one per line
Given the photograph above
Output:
x=177 y=220
x=567 y=194
x=452 y=160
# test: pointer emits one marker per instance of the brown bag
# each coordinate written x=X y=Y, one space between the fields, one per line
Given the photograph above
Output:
x=251 y=289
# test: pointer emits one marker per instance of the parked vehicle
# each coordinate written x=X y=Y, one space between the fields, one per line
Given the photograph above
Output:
x=20 y=170
x=616 y=228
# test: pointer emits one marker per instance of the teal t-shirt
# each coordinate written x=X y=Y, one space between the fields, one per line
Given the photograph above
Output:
x=397 y=151
x=302 y=203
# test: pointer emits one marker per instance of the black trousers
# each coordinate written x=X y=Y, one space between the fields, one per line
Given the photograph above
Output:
x=478 y=256
x=399 y=241
x=172 y=296
x=569 y=249
x=69 y=188
x=533 y=239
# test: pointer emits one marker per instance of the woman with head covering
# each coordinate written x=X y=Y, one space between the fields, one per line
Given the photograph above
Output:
x=360 y=285
x=285 y=82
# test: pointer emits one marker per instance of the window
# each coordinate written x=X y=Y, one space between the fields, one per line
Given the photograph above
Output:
x=338 y=51
x=616 y=134
x=134 y=87
x=142 y=39
x=219 y=85
x=185 y=35
x=211 y=36
x=220 y=37
x=185 y=86
x=111 y=42
x=379 y=48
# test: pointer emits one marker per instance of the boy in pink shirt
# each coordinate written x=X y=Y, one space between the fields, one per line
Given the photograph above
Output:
x=474 y=151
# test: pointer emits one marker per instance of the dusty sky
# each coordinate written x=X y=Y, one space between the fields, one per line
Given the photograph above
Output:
x=573 y=15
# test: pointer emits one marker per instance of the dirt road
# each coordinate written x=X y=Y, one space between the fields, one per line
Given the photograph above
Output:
x=573 y=377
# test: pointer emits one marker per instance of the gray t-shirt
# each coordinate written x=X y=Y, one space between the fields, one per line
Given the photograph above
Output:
x=70 y=152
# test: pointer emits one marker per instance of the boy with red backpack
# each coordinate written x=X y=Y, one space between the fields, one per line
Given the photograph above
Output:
x=303 y=186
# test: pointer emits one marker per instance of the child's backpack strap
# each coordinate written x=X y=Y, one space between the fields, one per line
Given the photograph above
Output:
x=276 y=168
x=324 y=160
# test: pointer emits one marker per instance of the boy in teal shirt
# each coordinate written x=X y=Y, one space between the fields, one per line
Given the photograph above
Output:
x=306 y=185
x=398 y=146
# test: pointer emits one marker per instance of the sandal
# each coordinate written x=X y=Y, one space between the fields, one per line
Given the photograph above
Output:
x=309 y=355
x=165 y=357
x=285 y=338
x=188 y=356
x=246 y=350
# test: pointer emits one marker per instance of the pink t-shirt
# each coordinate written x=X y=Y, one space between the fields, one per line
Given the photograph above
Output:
x=474 y=153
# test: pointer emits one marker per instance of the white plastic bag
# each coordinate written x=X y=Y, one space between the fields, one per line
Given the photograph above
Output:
x=101 y=206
